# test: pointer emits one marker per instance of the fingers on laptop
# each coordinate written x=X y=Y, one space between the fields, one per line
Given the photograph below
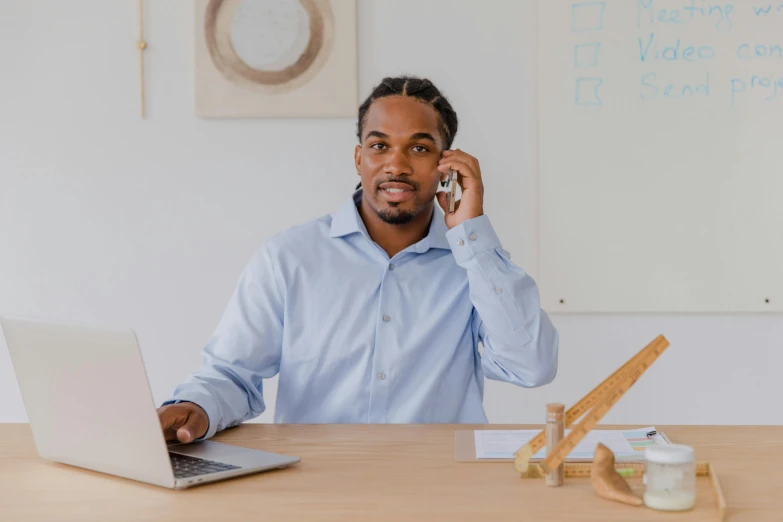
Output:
x=182 y=422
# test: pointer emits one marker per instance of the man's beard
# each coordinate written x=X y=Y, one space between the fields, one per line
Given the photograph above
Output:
x=393 y=216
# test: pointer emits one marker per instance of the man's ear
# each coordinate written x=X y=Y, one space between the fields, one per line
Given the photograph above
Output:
x=357 y=159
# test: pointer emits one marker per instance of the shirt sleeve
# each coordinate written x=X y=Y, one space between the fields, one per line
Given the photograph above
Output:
x=520 y=342
x=244 y=349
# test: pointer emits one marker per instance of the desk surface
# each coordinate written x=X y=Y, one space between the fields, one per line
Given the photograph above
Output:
x=382 y=472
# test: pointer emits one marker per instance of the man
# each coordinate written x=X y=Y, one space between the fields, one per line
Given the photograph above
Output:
x=374 y=314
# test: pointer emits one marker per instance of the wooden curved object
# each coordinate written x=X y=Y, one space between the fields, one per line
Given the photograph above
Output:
x=607 y=482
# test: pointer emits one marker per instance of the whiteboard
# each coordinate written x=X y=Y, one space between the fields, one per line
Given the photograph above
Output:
x=660 y=146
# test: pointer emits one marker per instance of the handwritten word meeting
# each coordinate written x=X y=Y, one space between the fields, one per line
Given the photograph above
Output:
x=653 y=49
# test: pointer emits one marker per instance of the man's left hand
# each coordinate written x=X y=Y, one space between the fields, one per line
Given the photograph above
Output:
x=471 y=204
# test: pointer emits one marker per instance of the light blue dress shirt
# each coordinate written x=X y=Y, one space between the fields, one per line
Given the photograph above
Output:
x=357 y=337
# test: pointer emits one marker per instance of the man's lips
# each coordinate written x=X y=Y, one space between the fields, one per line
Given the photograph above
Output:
x=395 y=186
x=395 y=192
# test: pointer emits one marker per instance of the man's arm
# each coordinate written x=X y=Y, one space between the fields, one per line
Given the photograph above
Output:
x=520 y=342
x=244 y=349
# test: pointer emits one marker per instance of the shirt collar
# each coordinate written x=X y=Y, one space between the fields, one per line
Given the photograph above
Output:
x=347 y=221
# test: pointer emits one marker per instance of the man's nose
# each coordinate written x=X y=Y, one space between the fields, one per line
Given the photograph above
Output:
x=398 y=164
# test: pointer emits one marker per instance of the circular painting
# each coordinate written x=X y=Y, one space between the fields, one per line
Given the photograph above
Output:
x=274 y=45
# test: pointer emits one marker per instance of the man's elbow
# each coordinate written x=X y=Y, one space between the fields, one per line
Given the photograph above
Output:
x=546 y=370
x=532 y=364
x=545 y=375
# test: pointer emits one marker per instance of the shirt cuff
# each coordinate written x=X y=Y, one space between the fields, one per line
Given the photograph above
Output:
x=206 y=403
x=471 y=238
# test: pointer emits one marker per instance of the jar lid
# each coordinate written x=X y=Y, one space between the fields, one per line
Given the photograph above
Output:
x=669 y=454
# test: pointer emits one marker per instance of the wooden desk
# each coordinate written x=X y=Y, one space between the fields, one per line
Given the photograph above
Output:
x=381 y=472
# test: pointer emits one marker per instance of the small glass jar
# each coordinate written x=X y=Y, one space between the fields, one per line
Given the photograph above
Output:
x=670 y=477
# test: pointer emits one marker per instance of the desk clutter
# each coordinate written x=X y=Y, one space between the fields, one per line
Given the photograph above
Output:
x=627 y=445
x=607 y=457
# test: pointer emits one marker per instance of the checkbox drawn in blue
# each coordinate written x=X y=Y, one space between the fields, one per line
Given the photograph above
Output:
x=587 y=92
x=586 y=55
x=587 y=16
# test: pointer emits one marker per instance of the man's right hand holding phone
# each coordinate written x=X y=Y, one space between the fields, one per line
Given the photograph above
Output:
x=183 y=422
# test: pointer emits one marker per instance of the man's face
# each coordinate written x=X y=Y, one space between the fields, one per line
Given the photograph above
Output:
x=398 y=158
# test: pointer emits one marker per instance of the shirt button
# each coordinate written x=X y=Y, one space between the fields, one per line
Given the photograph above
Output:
x=391 y=266
x=460 y=242
x=386 y=318
x=381 y=376
x=498 y=290
x=473 y=237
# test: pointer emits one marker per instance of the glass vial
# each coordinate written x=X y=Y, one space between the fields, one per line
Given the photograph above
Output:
x=670 y=477
x=555 y=429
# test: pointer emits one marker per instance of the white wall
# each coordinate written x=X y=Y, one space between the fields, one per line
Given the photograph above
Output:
x=108 y=219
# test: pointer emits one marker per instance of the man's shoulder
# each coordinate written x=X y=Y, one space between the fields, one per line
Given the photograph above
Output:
x=305 y=235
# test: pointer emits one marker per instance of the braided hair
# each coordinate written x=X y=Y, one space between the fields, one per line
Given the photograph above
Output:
x=421 y=89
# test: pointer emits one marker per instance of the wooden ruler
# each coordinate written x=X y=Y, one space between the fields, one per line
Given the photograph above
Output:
x=626 y=469
x=595 y=405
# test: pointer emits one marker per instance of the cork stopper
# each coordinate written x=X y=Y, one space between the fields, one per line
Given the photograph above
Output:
x=555 y=411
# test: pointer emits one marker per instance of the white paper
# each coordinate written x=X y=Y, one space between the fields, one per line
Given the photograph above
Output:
x=625 y=444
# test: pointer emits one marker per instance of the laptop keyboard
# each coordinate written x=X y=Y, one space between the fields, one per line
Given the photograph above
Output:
x=187 y=466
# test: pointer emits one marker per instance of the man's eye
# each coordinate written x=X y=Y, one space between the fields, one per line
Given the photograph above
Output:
x=420 y=148
x=377 y=146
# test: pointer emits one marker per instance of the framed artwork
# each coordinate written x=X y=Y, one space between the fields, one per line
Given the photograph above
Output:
x=275 y=58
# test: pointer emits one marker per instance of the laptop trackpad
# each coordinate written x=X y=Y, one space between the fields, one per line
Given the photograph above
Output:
x=235 y=455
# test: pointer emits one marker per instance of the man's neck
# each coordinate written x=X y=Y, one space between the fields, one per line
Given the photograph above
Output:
x=395 y=238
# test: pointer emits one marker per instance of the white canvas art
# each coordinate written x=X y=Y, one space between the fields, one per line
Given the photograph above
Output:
x=276 y=58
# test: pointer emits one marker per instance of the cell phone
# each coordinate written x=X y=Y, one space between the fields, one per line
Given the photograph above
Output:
x=452 y=195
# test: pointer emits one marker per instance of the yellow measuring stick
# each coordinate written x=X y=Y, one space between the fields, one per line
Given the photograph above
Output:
x=596 y=404
x=585 y=404
x=626 y=469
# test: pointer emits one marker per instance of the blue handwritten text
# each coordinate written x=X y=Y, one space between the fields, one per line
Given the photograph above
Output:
x=653 y=89
x=674 y=52
x=768 y=85
x=764 y=11
x=745 y=51
x=647 y=11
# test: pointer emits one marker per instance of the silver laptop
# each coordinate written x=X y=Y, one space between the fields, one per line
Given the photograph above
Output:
x=89 y=405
